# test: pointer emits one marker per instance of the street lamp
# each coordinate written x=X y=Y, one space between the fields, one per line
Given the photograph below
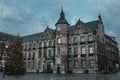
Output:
x=7 y=46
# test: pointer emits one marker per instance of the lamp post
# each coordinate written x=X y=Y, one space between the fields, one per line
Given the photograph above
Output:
x=6 y=57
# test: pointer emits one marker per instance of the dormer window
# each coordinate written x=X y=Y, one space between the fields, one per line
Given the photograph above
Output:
x=79 y=31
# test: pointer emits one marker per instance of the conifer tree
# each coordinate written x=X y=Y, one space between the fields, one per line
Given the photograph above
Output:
x=16 y=65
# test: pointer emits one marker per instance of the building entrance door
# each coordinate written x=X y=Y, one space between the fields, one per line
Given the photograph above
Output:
x=58 y=69
x=48 y=68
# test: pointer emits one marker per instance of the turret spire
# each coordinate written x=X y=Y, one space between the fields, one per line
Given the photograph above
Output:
x=62 y=13
x=62 y=19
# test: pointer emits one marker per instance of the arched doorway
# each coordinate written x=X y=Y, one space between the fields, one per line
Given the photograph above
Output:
x=58 y=69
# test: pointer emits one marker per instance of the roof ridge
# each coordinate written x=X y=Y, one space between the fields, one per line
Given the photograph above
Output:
x=91 y=21
x=33 y=34
x=7 y=34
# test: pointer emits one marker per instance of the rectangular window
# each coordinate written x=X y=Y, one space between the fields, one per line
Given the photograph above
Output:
x=29 y=46
x=82 y=39
x=83 y=50
x=69 y=51
x=91 y=64
x=40 y=45
x=90 y=49
x=49 y=54
x=79 y=31
x=70 y=63
x=75 y=51
x=45 y=52
x=69 y=41
x=76 y=65
x=45 y=44
x=33 y=56
x=90 y=38
x=29 y=55
x=39 y=54
x=83 y=63
x=50 y=43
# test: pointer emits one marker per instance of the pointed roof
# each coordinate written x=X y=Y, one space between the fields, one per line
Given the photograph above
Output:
x=78 y=22
x=92 y=26
x=62 y=19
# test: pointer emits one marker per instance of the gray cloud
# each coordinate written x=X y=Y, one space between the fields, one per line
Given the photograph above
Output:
x=28 y=17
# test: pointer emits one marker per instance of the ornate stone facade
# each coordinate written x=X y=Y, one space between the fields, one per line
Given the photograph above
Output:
x=81 y=48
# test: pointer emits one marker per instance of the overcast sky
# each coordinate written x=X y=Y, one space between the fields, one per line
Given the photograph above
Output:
x=32 y=16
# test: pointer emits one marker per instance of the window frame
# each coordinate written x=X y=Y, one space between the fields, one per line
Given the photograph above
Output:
x=75 y=50
x=82 y=39
x=76 y=66
x=79 y=31
x=91 y=66
x=83 y=50
x=90 y=49
x=75 y=39
x=70 y=64
x=90 y=38
x=83 y=65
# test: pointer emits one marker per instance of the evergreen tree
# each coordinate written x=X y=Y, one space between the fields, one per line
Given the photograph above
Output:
x=16 y=65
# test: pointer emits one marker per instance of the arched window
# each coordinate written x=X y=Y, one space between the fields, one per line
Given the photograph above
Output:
x=79 y=31
x=82 y=39
x=75 y=40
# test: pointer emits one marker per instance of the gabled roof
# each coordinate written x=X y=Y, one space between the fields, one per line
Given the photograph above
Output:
x=92 y=26
x=7 y=37
x=32 y=38
x=51 y=30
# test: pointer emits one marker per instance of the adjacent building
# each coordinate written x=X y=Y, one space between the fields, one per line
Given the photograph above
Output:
x=6 y=46
x=80 y=48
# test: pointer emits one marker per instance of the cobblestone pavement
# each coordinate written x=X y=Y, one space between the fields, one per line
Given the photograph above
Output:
x=42 y=76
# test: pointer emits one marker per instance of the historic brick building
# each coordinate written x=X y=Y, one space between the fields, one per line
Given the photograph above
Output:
x=6 y=45
x=83 y=47
x=77 y=49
